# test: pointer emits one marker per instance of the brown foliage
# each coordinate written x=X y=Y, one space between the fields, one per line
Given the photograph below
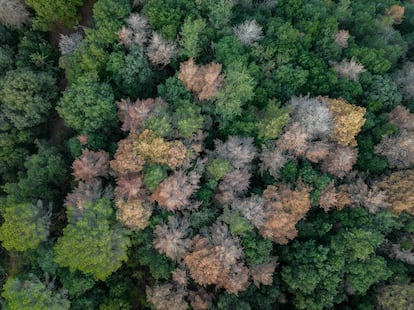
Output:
x=398 y=149
x=217 y=260
x=272 y=160
x=396 y=12
x=399 y=190
x=317 y=151
x=233 y=185
x=200 y=300
x=348 y=69
x=179 y=276
x=284 y=208
x=331 y=198
x=160 y=51
x=294 y=140
x=395 y=252
x=348 y=119
x=133 y=115
x=263 y=274
x=13 y=13
x=167 y=297
x=156 y=150
x=174 y=192
x=129 y=187
x=91 y=165
x=240 y=151
x=340 y=161
x=362 y=196
x=203 y=80
x=133 y=213
x=126 y=160
x=82 y=194
x=171 y=239
x=341 y=38
x=402 y=117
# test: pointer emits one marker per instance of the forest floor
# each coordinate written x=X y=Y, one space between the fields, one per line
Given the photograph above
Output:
x=58 y=125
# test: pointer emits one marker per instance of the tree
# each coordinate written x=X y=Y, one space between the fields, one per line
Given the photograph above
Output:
x=174 y=192
x=167 y=297
x=340 y=161
x=349 y=69
x=398 y=149
x=49 y=13
x=126 y=160
x=68 y=43
x=88 y=106
x=396 y=296
x=91 y=165
x=25 y=226
x=248 y=32
x=160 y=51
x=398 y=188
x=193 y=37
x=32 y=293
x=238 y=89
x=204 y=80
x=13 y=13
x=92 y=243
x=348 y=121
x=27 y=97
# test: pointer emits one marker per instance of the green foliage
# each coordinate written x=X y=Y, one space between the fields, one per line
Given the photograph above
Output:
x=75 y=283
x=238 y=224
x=188 y=119
x=132 y=73
x=398 y=297
x=108 y=16
x=26 y=97
x=237 y=90
x=166 y=16
x=174 y=92
x=88 y=106
x=256 y=248
x=193 y=37
x=25 y=226
x=219 y=13
x=46 y=171
x=160 y=122
x=49 y=13
x=32 y=294
x=91 y=242
x=218 y=168
x=382 y=89
x=316 y=179
x=271 y=121
x=154 y=175
x=6 y=59
x=290 y=171
x=229 y=50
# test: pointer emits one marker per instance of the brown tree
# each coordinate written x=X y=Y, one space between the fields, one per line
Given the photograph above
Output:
x=396 y=12
x=318 y=151
x=171 y=239
x=13 y=13
x=91 y=165
x=402 y=117
x=204 y=80
x=341 y=38
x=129 y=187
x=398 y=187
x=272 y=160
x=332 y=198
x=167 y=297
x=126 y=160
x=348 y=121
x=174 y=192
x=348 y=69
x=294 y=140
x=160 y=51
x=159 y=151
x=263 y=274
x=398 y=149
x=240 y=151
x=340 y=161
x=133 y=213
x=233 y=185
x=133 y=115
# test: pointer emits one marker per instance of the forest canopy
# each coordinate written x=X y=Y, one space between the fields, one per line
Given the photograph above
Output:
x=228 y=154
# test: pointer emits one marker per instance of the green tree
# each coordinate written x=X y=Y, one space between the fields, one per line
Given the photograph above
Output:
x=32 y=294
x=25 y=226
x=88 y=106
x=238 y=89
x=48 y=13
x=193 y=37
x=26 y=97
x=91 y=242
x=46 y=171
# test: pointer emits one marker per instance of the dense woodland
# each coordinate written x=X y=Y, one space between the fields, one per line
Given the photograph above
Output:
x=198 y=154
